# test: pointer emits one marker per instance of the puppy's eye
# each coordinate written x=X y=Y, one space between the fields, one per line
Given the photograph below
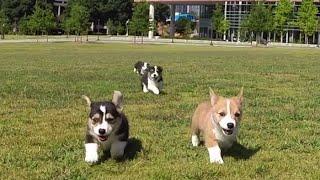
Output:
x=237 y=114
x=95 y=120
x=110 y=120
x=222 y=114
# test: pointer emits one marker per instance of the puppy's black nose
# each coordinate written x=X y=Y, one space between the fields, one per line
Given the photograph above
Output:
x=102 y=131
x=230 y=125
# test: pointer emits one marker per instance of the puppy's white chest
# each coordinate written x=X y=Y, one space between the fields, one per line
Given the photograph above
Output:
x=225 y=141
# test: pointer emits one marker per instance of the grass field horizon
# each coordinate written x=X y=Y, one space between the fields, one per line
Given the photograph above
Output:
x=43 y=118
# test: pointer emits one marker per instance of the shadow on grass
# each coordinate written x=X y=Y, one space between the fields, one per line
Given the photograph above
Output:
x=238 y=151
x=133 y=147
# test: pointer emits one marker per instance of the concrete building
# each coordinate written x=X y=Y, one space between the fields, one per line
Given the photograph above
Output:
x=60 y=6
x=234 y=11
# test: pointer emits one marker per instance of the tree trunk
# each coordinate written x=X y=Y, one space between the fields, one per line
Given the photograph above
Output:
x=300 y=37
x=269 y=36
x=306 y=39
x=318 y=44
x=287 y=37
x=142 y=39
x=257 y=38
x=47 y=37
x=274 y=37
x=281 y=37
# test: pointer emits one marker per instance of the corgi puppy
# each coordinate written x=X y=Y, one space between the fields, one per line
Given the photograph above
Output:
x=107 y=128
x=218 y=120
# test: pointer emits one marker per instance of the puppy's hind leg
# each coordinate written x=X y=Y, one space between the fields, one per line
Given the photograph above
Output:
x=195 y=132
x=117 y=149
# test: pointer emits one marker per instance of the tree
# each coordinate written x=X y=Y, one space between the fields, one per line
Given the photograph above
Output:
x=307 y=18
x=259 y=20
x=24 y=25
x=77 y=21
x=139 y=24
x=110 y=27
x=42 y=20
x=283 y=13
x=184 y=26
x=4 y=23
x=219 y=23
x=103 y=10
x=17 y=9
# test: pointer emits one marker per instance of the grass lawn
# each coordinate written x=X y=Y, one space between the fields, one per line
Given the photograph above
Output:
x=43 y=118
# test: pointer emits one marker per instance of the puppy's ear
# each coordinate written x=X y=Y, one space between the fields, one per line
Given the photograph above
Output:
x=160 y=68
x=87 y=99
x=117 y=100
x=213 y=97
x=240 y=95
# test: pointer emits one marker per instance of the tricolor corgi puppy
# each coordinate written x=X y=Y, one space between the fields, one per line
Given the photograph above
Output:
x=152 y=80
x=107 y=128
x=141 y=67
x=218 y=120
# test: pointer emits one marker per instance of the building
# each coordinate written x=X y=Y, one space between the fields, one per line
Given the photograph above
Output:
x=60 y=6
x=234 y=11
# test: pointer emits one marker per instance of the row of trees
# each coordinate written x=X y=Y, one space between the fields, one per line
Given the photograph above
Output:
x=40 y=16
x=266 y=19
x=37 y=17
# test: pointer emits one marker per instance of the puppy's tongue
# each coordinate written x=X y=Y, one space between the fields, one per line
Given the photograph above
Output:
x=103 y=138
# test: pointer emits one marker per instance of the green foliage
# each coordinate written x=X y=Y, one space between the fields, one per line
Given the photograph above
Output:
x=116 y=10
x=111 y=27
x=42 y=20
x=139 y=23
x=307 y=19
x=77 y=21
x=4 y=24
x=259 y=20
x=17 y=9
x=184 y=26
x=24 y=25
x=120 y=29
x=219 y=23
x=283 y=14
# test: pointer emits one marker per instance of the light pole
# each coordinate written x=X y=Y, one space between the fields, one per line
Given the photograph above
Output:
x=127 y=26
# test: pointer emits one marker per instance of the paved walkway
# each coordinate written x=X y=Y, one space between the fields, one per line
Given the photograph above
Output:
x=139 y=40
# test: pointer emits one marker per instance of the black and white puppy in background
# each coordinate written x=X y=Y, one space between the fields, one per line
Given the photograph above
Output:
x=141 y=67
x=107 y=128
x=152 y=80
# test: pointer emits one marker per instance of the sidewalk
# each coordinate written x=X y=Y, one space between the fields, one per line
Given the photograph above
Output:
x=138 y=40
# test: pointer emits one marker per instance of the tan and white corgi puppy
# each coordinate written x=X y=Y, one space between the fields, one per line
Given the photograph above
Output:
x=218 y=120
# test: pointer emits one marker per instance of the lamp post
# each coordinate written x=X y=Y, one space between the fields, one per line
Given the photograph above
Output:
x=127 y=27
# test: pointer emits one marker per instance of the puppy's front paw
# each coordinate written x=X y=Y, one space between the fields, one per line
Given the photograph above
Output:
x=216 y=159
x=91 y=153
x=215 y=155
x=91 y=157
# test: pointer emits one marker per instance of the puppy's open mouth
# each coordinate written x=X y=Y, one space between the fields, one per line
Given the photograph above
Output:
x=103 y=138
x=227 y=131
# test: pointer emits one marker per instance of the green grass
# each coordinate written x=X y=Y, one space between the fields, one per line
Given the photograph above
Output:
x=43 y=118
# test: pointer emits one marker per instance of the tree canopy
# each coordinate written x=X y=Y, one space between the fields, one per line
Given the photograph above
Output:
x=219 y=23
x=140 y=19
x=78 y=19
x=307 y=18
x=283 y=14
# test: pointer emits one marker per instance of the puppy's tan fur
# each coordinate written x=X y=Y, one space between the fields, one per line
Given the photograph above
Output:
x=207 y=119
